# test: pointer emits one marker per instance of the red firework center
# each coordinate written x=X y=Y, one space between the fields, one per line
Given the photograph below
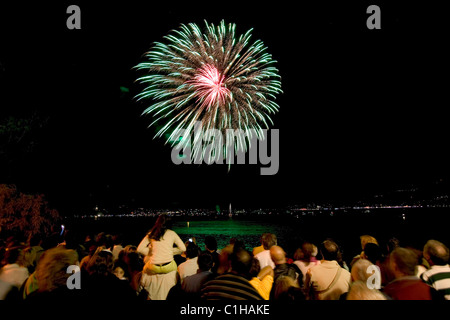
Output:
x=210 y=86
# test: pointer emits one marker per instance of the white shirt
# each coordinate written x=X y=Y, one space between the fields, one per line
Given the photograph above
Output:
x=188 y=268
x=441 y=282
x=116 y=250
x=162 y=250
x=14 y=274
x=305 y=266
x=322 y=275
x=265 y=259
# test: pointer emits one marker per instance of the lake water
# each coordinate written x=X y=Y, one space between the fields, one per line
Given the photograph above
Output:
x=412 y=227
x=248 y=231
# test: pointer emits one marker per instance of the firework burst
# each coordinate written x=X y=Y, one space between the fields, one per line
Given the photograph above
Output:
x=211 y=77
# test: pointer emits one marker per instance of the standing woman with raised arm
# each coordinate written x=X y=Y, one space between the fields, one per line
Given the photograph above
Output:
x=158 y=247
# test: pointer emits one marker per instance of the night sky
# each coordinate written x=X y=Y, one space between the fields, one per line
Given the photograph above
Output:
x=363 y=111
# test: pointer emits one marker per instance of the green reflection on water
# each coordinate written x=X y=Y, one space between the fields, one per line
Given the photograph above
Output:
x=223 y=230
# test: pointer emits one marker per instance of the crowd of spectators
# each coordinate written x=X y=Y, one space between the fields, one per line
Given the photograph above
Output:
x=163 y=267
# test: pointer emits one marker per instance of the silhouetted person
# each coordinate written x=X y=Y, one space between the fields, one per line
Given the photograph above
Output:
x=51 y=275
x=438 y=276
x=101 y=283
x=282 y=268
x=211 y=247
x=233 y=285
x=406 y=285
x=328 y=280
x=190 y=266
x=268 y=240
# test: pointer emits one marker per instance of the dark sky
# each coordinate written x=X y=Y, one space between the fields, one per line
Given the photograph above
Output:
x=362 y=110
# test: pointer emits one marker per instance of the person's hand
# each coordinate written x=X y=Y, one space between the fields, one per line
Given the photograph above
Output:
x=267 y=270
x=99 y=249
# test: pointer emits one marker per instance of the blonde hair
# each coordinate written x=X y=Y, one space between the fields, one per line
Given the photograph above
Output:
x=365 y=239
x=359 y=270
x=51 y=271
x=283 y=284
x=360 y=291
x=29 y=257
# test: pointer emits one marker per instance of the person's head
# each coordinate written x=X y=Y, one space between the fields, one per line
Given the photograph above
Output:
x=51 y=271
x=101 y=263
x=108 y=242
x=365 y=239
x=305 y=252
x=255 y=269
x=225 y=259
x=117 y=239
x=372 y=252
x=359 y=270
x=210 y=243
x=129 y=249
x=241 y=261
x=238 y=244
x=160 y=227
x=392 y=243
x=299 y=255
x=100 y=238
x=120 y=269
x=282 y=287
x=268 y=240
x=278 y=255
x=126 y=251
x=71 y=239
x=329 y=250
x=50 y=241
x=403 y=262
x=29 y=258
x=205 y=261
x=360 y=291
x=119 y=272
x=191 y=250
x=436 y=253
x=134 y=262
